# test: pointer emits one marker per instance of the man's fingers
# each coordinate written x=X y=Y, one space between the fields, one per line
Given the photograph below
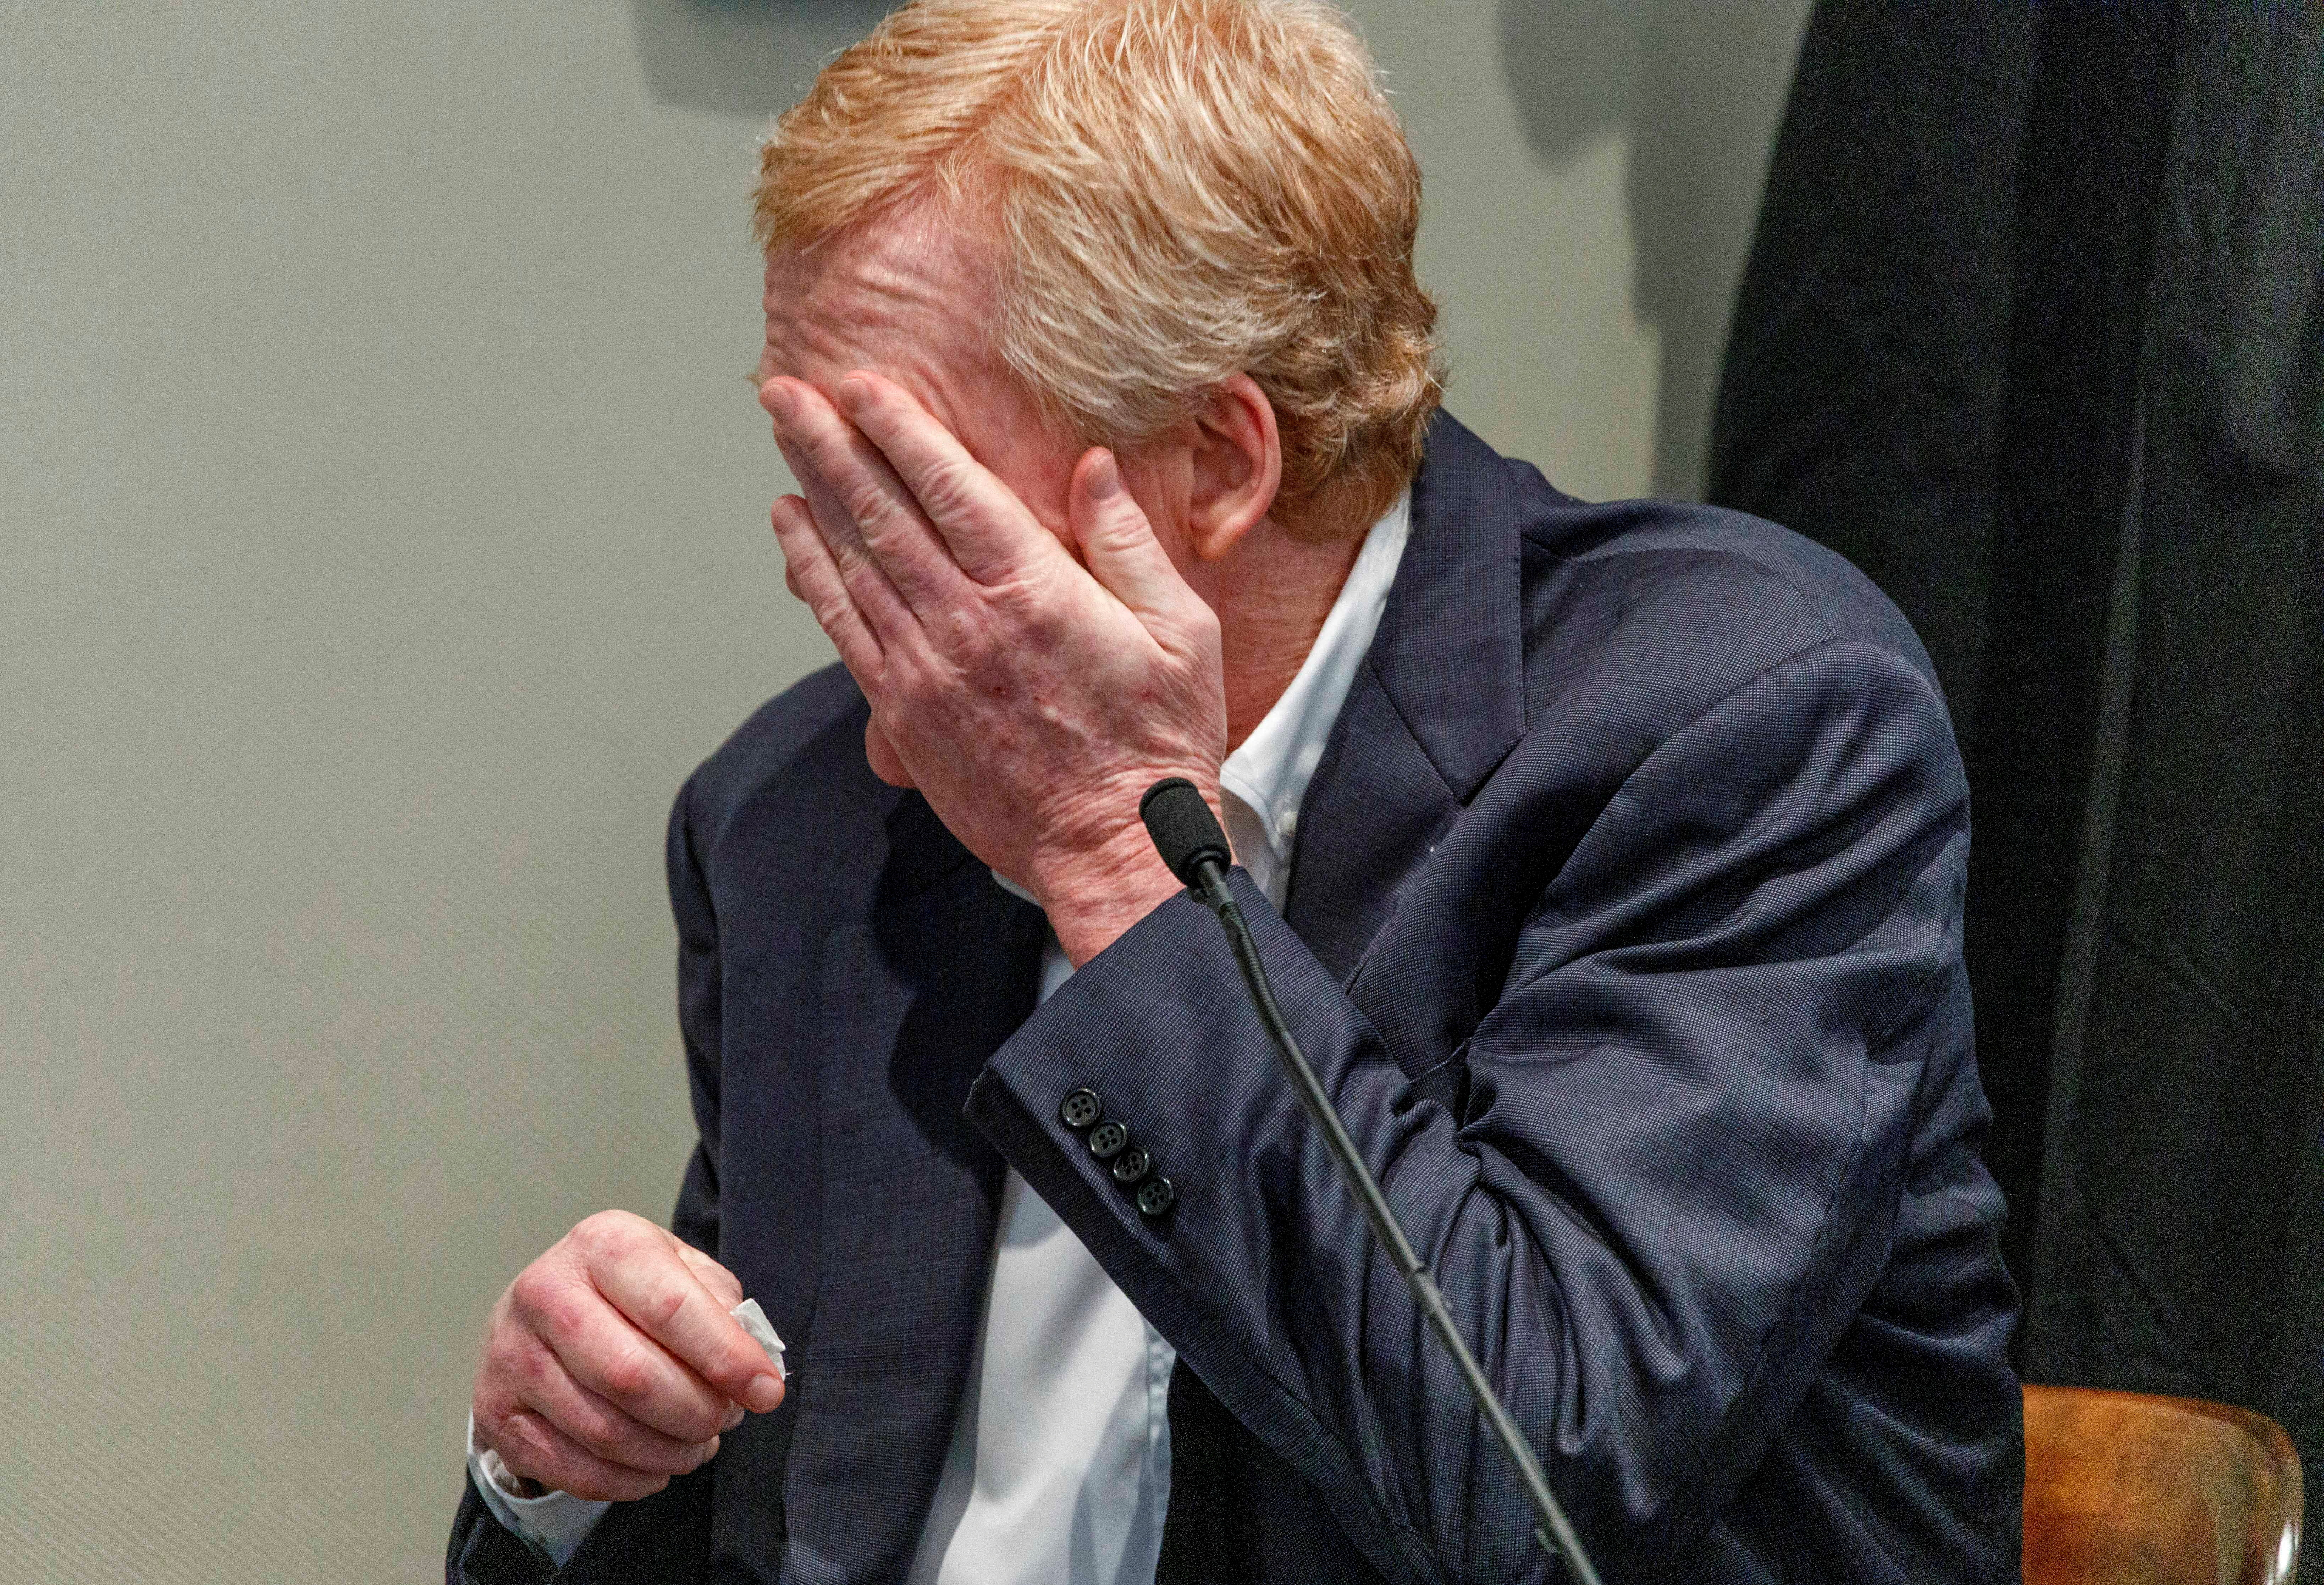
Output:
x=534 y=1450
x=600 y=1348
x=814 y=574
x=845 y=475
x=985 y=527
x=885 y=609
x=815 y=578
x=1118 y=544
x=603 y=1427
x=666 y=1301
x=724 y=1284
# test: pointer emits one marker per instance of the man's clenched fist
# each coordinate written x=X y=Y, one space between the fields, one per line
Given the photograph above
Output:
x=611 y=1363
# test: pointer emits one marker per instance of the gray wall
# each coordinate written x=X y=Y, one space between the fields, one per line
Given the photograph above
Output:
x=382 y=538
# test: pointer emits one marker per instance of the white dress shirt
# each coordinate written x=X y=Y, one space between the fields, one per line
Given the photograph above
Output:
x=1059 y=1467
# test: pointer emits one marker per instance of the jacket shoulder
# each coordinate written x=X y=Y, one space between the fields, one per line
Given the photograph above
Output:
x=796 y=765
x=1709 y=589
x=1647 y=613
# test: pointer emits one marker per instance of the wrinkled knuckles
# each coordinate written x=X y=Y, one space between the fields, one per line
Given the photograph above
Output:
x=915 y=691
x=664 y=1305
x=610 y=1233
x=528 y=1298
x=532 y=1366
x=720 y=1282
x=559 y=1311
x=868 y=504
x=829 y=609
x=947 y=493
x=628 y=1375
x=598 y=1437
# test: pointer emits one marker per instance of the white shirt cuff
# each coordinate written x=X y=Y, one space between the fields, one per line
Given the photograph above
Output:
x=554 y=1524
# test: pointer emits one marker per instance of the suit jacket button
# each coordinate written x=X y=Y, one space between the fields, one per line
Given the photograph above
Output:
x=1082 y=1108
x=1132 y=1163
x=1107 y=1139
x=1154 y=1195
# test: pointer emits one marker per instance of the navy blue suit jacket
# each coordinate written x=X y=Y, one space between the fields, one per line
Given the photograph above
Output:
x=1625 y=930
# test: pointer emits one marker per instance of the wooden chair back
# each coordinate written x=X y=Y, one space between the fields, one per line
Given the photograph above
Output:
x=2126 y=1488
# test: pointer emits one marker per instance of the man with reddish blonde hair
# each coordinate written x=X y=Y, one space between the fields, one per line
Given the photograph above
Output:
x=1608 y=861
x=1171 y=194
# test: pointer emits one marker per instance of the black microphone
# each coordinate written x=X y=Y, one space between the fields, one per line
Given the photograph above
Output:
x=1185 y=831
x=1187 y=836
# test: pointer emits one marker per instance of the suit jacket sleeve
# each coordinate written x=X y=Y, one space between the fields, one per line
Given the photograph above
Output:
x=1663 y=1191
x=664 y=1537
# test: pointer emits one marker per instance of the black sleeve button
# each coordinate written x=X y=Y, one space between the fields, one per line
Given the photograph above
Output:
x=1080 y=1108
x=1154 y=1195
x=1131 y=1164
x=1107 y=1139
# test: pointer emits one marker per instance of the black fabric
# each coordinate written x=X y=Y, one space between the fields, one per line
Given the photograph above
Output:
x=2031 y=331
x=2097 y=118
x=1237 y=1512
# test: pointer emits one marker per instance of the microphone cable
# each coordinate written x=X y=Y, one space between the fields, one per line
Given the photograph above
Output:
x=1187 y=836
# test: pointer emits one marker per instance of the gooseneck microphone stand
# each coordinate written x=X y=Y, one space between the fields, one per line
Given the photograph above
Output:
x=1187 y=836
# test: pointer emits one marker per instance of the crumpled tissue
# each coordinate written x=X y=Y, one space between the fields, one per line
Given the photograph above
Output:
x=753 y=1320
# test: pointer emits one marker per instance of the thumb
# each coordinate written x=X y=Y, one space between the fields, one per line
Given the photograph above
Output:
x=1118 y=544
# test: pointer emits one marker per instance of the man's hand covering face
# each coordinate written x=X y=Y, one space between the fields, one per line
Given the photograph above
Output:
x=1030 y=696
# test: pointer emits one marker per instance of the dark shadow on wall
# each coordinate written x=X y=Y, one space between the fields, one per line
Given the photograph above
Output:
x=1700 y=89
x=743 y=56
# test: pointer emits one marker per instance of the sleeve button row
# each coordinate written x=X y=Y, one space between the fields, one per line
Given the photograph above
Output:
x=1131 y=1164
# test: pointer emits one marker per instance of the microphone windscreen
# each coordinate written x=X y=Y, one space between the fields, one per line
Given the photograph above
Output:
x=1184 y=829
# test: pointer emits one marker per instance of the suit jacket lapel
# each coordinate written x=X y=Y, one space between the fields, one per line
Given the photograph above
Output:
x=916 y=998
x=1438 y=704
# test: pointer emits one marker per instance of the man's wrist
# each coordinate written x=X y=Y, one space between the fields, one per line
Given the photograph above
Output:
x=1099 y=897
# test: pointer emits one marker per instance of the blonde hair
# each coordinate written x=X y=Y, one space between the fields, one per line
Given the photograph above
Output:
x=1178 y=190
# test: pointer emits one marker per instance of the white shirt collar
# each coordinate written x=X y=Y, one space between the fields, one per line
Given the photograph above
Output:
x=1264 y=779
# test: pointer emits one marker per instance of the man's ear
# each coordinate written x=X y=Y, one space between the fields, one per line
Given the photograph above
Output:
x=1238 y=467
